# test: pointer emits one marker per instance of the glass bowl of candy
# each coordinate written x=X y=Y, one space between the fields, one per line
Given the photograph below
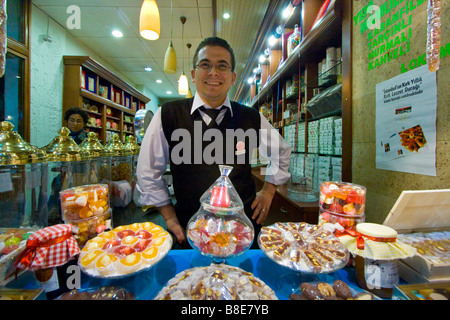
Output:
x=87 y=208
x=83 y=202
x=220 y=229
x=342 y=203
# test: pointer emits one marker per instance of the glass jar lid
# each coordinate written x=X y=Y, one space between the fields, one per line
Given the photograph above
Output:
x=116 y=147
x=222 y=197
x=131 y=144
x=14 y=150
x=64 y=148
x=93 y=147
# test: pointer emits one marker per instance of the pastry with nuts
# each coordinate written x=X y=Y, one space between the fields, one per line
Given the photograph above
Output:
x=303 y=247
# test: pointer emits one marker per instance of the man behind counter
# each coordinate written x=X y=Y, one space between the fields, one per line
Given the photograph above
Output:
x=191 y=168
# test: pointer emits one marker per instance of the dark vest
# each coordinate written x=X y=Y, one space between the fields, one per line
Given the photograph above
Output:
x=191 y=157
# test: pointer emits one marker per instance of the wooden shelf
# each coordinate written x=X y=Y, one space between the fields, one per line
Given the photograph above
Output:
x=81 y=72
x=272 y=97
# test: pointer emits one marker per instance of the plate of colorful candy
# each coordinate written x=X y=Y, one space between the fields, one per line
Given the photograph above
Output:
x=125 y=250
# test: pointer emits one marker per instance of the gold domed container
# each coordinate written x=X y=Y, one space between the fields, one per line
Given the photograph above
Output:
x=100 y=159
x=121 y=172
x=23 y=181
x=68 y=167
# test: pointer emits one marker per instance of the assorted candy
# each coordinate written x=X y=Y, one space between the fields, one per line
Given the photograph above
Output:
x=216 y=282
x=12 y=243
x=84 y=202
x=125 y=250
x=87 y=209
x=342 y=203
x=338 y=290
x=434 y=246
x=216 y=236
x=11 y=239
x=303 y=247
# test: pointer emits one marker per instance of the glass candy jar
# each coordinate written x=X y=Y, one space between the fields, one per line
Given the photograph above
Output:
x=68 y=167
x=220 y=229
x=342 y=203
x=121 y=172
x=23 y=182
x=100 y=159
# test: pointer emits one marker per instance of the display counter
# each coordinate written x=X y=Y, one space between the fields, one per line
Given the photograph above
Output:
x=146 y=284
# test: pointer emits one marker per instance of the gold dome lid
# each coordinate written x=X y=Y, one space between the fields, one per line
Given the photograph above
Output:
x=116 y=147
x=93 y=146
x=131 y=144
x=64 y=148
x=14 y=150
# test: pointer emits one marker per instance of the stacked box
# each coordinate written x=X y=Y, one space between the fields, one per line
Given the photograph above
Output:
x=337 y=127
x=289 y=136
x=324 y=168
x=313 y=136
x=326 y=135
x=336 y=169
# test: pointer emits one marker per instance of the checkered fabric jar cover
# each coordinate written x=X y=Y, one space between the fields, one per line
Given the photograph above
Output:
x=376 y=242
x=49 y=247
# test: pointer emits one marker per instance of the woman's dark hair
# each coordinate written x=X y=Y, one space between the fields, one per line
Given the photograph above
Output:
x=76 y=110
x=215 y=41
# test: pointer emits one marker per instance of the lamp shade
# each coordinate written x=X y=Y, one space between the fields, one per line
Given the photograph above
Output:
x=189 y=94
x=149 y=22
x=183 y=85
x=170 y=59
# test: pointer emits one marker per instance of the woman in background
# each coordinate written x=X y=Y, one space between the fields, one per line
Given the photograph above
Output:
x=76 y=120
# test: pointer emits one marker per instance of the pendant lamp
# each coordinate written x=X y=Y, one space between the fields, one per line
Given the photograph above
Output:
x=170 y=59
x=149 y=22
x=183 y=85
x=189 y=94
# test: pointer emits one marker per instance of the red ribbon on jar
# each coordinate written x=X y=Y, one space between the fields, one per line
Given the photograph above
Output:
x=48 y=247
x=360 y=242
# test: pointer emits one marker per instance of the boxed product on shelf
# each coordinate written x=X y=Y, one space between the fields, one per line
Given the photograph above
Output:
x=422 y=219
x=313 y=136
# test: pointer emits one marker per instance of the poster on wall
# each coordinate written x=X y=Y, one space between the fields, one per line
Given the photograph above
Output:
x=406 y=107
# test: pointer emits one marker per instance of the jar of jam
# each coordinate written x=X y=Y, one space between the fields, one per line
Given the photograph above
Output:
x=376 y=251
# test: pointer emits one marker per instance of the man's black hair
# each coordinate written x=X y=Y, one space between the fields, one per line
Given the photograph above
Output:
x=215 y=41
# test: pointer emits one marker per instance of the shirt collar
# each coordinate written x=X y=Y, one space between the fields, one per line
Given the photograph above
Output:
x=198 y=102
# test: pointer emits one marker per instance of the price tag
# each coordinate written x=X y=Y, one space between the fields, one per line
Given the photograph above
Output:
x=5 y=182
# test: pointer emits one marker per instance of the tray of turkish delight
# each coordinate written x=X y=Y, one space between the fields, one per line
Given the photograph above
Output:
x=125 y=250
x=303 y=247
x=216 y=282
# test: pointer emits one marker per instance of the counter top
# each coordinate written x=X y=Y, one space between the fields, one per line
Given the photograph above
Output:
x=146 y=284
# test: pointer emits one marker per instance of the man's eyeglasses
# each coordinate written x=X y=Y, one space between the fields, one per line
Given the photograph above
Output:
x=220 y=67
x=75 y=121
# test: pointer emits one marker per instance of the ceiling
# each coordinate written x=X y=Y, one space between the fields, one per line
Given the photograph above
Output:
x=131 y=54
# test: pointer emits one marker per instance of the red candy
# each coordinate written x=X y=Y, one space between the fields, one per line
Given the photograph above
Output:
x=220 y=197
x=125 y=233
x=111 y=243
x=142 y=245
x=143 y=234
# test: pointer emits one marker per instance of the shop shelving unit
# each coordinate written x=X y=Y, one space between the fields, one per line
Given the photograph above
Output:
x=110 y=102
x=323 y=94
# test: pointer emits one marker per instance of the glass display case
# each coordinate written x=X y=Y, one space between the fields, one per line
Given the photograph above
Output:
x=23 y=181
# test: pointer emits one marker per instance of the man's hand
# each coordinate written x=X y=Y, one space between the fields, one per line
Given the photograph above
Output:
x=173 y=225
x=262 y=202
